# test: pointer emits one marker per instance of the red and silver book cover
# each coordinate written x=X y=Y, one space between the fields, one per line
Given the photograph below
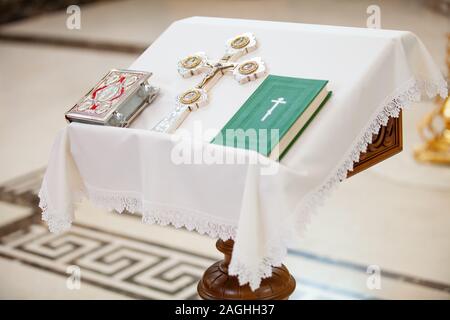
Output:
x=116 y=100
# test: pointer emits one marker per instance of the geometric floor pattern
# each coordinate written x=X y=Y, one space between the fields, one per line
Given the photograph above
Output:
x=139 y=268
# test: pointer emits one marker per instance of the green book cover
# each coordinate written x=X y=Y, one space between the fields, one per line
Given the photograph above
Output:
x=275 y=115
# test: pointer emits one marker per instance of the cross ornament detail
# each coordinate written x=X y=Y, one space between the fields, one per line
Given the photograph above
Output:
x=274 y=106
x=197 y=63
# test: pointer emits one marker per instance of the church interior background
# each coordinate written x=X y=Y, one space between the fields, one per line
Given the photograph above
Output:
x=397 y=224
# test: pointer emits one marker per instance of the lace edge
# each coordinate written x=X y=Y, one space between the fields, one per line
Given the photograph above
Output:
x=151 y=214
x=56 y=222
x=410 y=92
x=164 y=215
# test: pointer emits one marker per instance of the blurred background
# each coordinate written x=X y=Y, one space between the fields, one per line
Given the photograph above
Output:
x=394 y=217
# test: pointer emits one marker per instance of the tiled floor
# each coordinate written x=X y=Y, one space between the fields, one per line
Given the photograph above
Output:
x=395 y=215
x=119 y=257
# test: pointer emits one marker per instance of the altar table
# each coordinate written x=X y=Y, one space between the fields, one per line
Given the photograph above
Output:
x=260 y=204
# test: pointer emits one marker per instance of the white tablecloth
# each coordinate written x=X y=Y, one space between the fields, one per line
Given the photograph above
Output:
x=372 y=73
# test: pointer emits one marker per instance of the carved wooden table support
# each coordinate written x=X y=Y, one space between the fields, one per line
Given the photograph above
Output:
x=216 y=284
x=385 y=144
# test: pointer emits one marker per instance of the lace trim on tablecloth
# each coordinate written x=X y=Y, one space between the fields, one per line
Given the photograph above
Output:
x=152 y=213
x=411 y=91
x=161 y=214
x=56 y=222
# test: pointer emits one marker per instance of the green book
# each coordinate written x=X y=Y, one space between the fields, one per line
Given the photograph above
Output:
x=275 y=115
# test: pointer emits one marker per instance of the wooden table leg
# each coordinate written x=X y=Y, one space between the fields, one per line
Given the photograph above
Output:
x=216 y=284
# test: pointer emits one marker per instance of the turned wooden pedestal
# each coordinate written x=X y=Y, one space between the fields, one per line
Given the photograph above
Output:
x=216 y=284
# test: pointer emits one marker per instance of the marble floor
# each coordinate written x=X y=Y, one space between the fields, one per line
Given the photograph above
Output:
x=395 y=215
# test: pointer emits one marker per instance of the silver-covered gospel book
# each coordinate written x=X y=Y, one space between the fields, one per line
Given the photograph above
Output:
x=116 y=100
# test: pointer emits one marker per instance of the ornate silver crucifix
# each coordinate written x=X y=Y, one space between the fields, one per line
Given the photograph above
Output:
x=197 y=63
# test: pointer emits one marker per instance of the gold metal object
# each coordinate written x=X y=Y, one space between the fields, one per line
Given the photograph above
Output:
x=240 y=42
x=190 y=96
x=248 y=67
x=191 y=62
x=436 y=148
x=197 y=63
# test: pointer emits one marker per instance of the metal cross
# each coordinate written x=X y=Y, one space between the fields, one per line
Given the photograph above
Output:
x=197 y=63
